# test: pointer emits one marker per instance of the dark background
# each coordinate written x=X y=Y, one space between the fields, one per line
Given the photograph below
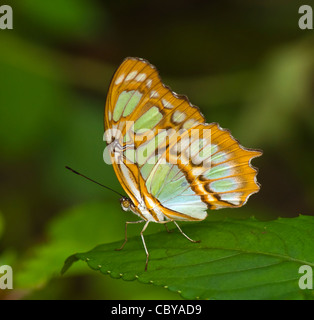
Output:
x=245 y=63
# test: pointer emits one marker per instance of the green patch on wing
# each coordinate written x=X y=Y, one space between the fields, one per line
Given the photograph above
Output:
x=126 y=103
x=148 y=120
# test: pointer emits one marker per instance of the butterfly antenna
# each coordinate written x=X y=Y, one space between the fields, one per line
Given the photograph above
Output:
x=93 y=181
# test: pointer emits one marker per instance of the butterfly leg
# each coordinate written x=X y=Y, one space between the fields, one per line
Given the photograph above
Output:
x=185 y=234
x=126 y=233
x=142 y=236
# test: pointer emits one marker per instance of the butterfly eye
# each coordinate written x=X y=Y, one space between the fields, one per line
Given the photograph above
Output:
x=125 y=204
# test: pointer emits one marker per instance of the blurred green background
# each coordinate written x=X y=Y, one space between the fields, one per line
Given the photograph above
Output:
x=245 y=63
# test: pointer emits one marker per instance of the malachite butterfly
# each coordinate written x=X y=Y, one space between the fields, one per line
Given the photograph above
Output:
x=171 y=163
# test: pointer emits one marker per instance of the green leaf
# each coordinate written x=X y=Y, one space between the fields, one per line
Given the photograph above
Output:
x=236 y=259
x=78 y=228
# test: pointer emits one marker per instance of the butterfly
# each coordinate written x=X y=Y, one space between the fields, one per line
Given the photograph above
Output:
x=170 y=162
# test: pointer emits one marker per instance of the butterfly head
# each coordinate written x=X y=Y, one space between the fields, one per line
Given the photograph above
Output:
x=126 y=203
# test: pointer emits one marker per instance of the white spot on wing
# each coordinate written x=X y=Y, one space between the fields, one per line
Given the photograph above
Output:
x=131 y=75
x=140 y=77
x=154 y=94
x=149 y=83
x=119 y=79
x=232 y=197
x=178 y=117
x=167 y=104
